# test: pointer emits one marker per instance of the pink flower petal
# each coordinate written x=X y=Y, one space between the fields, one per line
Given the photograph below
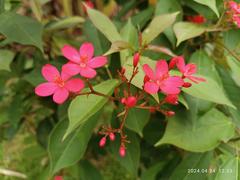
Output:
x=71 y=53
x=45 y=89
x=74 y=85
x=196 y=79
x=151 y=87
x=97 y=62
x=148 y=71
x=181 y=64
x=161 y=68
x=88 y=72
x=71 y=69
x=171 y=85
x=60 y=95
x=65 y=75
x=86 y=50
x=50 y=73
x=190 y=69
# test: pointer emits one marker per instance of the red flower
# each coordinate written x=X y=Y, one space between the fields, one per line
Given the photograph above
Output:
x=58 y=85
x=82 y=61
x=186 y=69
x=161 y=80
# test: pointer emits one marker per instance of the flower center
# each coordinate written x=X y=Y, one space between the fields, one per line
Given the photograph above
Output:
x=158 y=82
x=84 y=58
x=59 y=82
x=83 y=65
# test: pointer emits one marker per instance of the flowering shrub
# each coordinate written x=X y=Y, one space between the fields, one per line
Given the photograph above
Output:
x=120 y=89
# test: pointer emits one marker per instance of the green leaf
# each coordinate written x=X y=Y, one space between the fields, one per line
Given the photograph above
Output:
x=187 y=30
x=210 y=3
x=83 y=107
x=235 y=69
x=6 y=57
x=229 y=169
x=194 y=161
x=104 y=24
x=118 y=46
x=21 y=29
x=157 y=26
x=132 y=158
x=130 y=34
x=200 y=135
x=210 y=91
x=67 y=22
x=137 y=119
x=151 y=173
x=71 y=150
x=88 y=171
x=169 y=7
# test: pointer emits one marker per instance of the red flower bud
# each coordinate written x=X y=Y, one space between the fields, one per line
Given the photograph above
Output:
x=130 y=101
x=112 y=136
x=198 y=19
x=171 y=99
x=102 y=142
x=123 y=70
x=187 y=85
x=170 y=113
x=152 y=110
x=136 y=59
x=122 y=151
x=146 y=79
x=58 y=178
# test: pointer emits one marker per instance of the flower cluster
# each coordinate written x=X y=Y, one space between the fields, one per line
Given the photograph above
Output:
x=60 y=85
x=158 y=79
x=234 y=12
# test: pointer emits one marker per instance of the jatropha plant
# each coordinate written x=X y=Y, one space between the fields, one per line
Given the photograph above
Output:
x=164 y=78
x=140 y=89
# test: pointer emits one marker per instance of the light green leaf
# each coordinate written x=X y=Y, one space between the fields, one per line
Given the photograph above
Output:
x=187 y=30
x=83 y=107
x=210 y=91
x=157 y=26
x=6 y=57
x=169 y=7
x=229 y=169
x=198 y=162
x=130 y=34
x=21 y=29
x=118 y=46
x=235 y=69
x=67 y=22
x=104 y=24
x=210 y=3
x=200 y=135
x=137 y=119
x=71 y=150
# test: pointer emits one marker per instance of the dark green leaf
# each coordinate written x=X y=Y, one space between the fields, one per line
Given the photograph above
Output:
x=21 y=29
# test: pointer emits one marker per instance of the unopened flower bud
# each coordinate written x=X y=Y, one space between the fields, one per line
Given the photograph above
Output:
x=130 y=101
x=123 y=70
x=187 y=85
x=170 y=113
x=152 y=110
x=171 y=99
x=136 y=59
x=146 y=79
x=112 y=136
x=102 y=142
x=58 y=178
x=122 y=151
